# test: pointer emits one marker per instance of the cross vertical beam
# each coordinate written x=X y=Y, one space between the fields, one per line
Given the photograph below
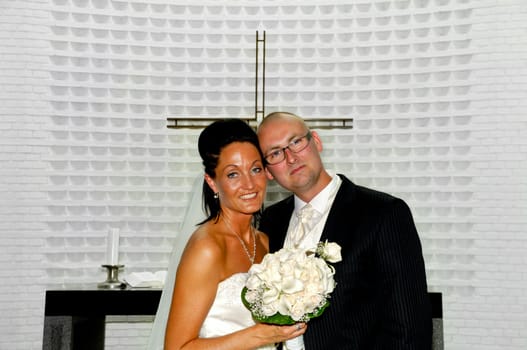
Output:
x=259 y=109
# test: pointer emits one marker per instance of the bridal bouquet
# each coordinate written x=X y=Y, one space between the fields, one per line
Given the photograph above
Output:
x=291 y=285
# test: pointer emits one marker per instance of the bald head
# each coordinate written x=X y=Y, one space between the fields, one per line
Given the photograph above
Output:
x=281 y=116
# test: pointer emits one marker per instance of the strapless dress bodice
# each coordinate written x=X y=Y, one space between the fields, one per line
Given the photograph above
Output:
x=228 y=314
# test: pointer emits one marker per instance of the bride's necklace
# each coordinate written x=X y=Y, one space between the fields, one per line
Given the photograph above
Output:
x=244 y=246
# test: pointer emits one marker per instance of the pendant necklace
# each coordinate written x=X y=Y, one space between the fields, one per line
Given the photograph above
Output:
x=244 y=246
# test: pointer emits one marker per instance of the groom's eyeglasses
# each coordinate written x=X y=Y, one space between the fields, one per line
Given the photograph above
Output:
x=295 y=146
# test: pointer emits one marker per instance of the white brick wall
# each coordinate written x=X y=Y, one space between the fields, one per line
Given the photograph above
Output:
x=437 y=88
x=23 y=113
x=499 y=233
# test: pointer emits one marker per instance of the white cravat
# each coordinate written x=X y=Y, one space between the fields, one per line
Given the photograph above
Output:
x=313 y=227
x=305 y=215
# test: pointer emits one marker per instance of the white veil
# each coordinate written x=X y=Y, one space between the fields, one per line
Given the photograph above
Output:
x=193 y=215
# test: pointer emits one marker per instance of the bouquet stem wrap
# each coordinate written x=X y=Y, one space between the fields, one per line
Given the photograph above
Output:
x=295 y=343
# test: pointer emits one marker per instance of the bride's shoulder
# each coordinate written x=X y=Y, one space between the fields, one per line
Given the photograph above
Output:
x=204 y=242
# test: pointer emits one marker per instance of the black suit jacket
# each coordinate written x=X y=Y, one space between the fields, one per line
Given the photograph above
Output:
x=381 y=300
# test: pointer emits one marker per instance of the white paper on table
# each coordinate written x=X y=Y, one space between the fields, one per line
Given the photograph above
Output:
x=146 y=279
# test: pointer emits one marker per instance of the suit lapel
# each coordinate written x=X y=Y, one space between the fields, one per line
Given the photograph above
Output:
x=341 y=212
x=281 y=219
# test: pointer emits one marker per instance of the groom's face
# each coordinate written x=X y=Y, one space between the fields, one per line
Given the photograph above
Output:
x=300 y=171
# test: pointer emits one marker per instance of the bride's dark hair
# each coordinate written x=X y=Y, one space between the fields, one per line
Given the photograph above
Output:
x=211 y=141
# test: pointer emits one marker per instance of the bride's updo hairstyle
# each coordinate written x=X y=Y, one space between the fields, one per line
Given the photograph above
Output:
x=211 y=141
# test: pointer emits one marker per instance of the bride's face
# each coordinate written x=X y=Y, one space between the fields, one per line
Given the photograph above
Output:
x=240 y=178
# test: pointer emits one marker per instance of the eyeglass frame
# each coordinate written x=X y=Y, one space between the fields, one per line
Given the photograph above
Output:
x=307 y=136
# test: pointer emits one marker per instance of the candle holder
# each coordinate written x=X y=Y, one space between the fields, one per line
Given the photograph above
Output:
x=112 y=279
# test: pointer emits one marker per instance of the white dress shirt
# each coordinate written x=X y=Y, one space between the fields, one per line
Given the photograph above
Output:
x=321 y=204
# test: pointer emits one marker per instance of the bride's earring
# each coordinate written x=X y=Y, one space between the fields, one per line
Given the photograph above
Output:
x=216 y=195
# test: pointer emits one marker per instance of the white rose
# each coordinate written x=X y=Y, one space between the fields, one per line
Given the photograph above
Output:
x=285 y=304
x=269 y=310
x=330 y=252
x=292 y=285
x=322 y=276
x=297 y=312
x=269 y=296
x=312 y=302
x=253 y=282
x=293 y=306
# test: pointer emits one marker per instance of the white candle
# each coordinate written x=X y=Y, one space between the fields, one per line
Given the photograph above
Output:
x=112 y=254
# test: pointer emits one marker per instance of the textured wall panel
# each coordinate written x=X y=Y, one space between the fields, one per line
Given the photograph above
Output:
x=402 y=70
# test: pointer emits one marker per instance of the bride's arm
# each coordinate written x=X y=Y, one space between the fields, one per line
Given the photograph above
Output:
x=197 y=279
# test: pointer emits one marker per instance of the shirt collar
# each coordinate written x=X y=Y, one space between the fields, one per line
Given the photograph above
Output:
x=320 y=201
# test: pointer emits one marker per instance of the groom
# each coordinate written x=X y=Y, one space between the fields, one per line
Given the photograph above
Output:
x=381 y=300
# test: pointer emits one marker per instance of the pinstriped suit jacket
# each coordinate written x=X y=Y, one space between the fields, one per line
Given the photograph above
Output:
x=381 y=300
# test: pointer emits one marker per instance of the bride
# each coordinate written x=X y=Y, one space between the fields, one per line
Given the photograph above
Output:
x=206 y=310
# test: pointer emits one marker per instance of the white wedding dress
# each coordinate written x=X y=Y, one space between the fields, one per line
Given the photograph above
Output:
x=228 y=314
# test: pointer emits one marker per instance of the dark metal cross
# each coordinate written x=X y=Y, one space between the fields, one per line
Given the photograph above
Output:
x=259 y=103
